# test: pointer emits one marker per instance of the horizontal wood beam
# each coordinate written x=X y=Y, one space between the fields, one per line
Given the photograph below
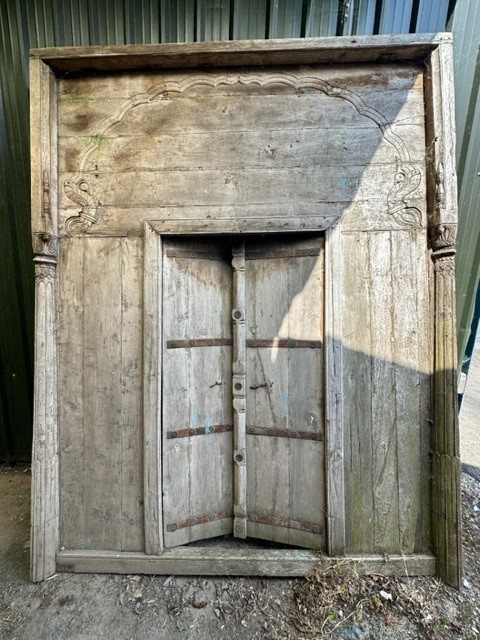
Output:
x=226 y=561
x=411 y=47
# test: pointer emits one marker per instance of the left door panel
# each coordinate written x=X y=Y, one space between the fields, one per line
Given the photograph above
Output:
x=197 y=405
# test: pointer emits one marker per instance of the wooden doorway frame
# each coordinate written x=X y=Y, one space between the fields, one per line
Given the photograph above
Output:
x=155 y=230
x=432 y=50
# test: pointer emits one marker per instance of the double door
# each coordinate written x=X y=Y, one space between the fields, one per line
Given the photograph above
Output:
x=243 y=389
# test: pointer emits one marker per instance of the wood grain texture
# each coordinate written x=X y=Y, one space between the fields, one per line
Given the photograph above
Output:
x=334 y=426
x=248 y=52
x=44 y=528
x=239 y=389
x=271 y=562
x=442 y=199
x=277 y=141
x=284 y=475
x=152 y=391
x=196 y=392
x=273 y=149
x=384 y=478
x=100 y=337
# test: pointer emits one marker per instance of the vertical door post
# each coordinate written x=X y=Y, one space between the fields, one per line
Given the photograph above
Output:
x=238 y=386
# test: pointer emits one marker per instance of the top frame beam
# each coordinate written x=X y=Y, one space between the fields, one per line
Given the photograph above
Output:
x=386 y=48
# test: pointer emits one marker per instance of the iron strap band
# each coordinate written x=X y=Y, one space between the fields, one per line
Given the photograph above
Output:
x=284 y=343
x=199 y=255
x=255 y=518
x=199 y=431
x=191 y=522
x=281 y=253
x=285 y=433
x=199 y=342
x=278 y=521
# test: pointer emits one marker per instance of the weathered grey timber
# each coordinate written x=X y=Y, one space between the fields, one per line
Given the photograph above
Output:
x=304 y=420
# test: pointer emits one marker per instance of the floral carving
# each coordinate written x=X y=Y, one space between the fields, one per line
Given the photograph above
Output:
x=78 y=190
x=442 y=237
x=405 y=182
x=407 y=179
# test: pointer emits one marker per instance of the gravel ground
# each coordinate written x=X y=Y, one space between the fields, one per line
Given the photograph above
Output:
x=111 y=607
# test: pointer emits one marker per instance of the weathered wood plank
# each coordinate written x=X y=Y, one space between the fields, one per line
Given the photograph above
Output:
x=152 y=391
x=102 y=393
x=442 y=199
x=44 y=527
x=239 y=390
x=267 y=147
x=398 y=76
x=271 y=562
x=285 y=301
x=383 y=369
x=334 y=427
x=248 y=186
x=248 y=52
x=368 y=215
x=71 y=324
x=412 y=385
x=357 y=349
x=246 y=110
x=131 y=480
x=197 y=470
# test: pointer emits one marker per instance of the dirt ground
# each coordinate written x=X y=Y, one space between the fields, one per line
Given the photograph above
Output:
x=111 y=607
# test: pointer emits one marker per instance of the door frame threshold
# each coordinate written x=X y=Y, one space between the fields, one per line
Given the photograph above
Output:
x=239 y=562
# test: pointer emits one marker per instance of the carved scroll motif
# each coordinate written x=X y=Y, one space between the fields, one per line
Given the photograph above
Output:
x=78 y=190
x=405 y=181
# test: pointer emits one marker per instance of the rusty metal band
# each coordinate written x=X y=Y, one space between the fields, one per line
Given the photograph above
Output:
x=199 y=255
x=200 y=342
x=191 y=522
x=278 y=521
x=282 y=253
x=285 y=433
x=199 y=431
x=284 y=343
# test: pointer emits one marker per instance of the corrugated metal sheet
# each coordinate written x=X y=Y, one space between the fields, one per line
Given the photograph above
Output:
x=466 y=29
x=38 y=23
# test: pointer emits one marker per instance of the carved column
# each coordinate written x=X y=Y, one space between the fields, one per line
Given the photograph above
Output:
x=45 y=509
x=445 y=440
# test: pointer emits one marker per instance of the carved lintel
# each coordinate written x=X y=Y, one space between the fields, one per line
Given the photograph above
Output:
x=442 y=240
x=405 y=182
x=44 y=244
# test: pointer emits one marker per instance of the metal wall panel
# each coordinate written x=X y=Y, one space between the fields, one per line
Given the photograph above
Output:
x=39 y=23
x=466 y=30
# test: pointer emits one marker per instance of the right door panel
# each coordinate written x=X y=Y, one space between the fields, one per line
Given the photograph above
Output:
x=285 y=403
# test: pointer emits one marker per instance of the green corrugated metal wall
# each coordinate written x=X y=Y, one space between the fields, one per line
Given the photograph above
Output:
x=466 y=30
x=39 y=23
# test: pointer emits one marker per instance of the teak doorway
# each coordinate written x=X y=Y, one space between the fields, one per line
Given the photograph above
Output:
x=242 y=422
